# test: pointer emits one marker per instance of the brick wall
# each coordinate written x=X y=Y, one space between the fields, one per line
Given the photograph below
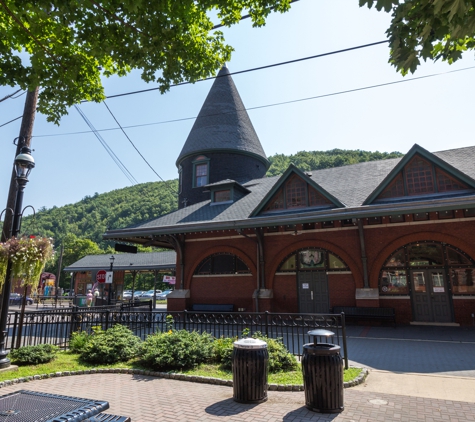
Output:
x=380 y=242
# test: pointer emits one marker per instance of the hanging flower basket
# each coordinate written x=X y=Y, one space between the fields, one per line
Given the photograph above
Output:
x=4 y=249
x=28 y=257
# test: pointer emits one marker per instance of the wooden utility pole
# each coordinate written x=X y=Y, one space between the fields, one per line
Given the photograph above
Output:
x=24 y=139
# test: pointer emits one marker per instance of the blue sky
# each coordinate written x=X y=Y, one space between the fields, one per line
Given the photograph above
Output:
x=434 y=112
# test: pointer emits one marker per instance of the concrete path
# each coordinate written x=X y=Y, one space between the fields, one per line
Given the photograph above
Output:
x=149 y=399
x=435 y=391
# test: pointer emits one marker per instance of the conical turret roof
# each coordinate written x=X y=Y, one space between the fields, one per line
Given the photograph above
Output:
x=223 y=124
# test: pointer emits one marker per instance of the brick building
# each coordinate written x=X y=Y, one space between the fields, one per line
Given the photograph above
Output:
x=393 y=233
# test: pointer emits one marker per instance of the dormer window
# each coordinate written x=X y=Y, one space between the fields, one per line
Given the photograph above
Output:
x=222 y=195
x=200 y=171
x=226 y=192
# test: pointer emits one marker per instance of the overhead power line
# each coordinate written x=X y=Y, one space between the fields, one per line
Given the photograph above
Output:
x=316 y=56
x=136 y=149
x=246 y=70
x=10 y=95
x=16 y=118
x=109 y=150
x=348 y=91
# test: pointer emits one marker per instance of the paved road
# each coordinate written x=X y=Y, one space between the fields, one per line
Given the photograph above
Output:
x=426 y=350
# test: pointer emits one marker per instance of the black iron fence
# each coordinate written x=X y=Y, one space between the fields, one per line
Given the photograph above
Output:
x=56 y=326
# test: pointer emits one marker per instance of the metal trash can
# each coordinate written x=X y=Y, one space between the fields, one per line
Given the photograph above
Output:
x=250 y=367
x=81 y=301
x=322 y=368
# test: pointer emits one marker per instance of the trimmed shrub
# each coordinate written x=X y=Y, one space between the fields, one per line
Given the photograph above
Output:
x=117 y=344
x=34 y=355
x=223 y=351
x=176 y=350
x=280 y=359
x=78 y=341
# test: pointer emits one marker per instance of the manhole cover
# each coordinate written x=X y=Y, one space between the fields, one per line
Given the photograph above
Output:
x=378 y=401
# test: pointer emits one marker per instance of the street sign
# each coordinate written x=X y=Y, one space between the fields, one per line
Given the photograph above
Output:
x=101 y=276
x=169 y=279
x=109 y=277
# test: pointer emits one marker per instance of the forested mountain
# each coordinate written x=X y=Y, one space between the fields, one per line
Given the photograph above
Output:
x=317 y=160
x=79 y=227
x=93 y=215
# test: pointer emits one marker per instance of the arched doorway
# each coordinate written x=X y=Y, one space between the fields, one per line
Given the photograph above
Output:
x=430 y=273
x=311 y=266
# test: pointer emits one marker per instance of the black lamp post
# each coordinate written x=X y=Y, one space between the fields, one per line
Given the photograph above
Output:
x=24 y=163
x=112 y=259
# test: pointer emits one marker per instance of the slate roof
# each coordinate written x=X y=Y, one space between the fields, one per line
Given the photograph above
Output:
x=223 y=123
x=126 y=261
x=350 y=184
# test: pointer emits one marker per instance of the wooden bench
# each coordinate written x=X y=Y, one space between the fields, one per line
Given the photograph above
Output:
x=356 y=312
x=106 y=417
x=209 y=307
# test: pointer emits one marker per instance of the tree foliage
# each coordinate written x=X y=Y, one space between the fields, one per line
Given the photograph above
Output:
x=316 y=160
x=66 y=46
x=427 y=30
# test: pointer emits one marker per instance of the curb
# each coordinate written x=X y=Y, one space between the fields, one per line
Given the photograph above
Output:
x=176 y=376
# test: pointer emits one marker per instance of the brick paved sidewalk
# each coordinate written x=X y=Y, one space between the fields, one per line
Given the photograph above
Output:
x=150 y=399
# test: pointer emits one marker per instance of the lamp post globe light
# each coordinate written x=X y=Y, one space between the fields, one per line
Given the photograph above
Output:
x=112 y=259
x=24 y=163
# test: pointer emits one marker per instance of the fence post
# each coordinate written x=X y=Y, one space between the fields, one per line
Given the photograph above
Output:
x=107 y=318
x=267 y=323
x=185 y=317
x=74 y=313
x=343 y=333
x=15 y=322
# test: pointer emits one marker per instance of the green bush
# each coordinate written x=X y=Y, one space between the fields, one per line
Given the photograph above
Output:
x=280 y=359
x=34 y=355
x=176 y=350
x=223 y=351
x=117 y=344
x=78 y=341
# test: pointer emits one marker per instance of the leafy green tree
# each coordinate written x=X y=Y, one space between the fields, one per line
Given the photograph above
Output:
x=74 y=249
x=70 y=45
x=427 y=30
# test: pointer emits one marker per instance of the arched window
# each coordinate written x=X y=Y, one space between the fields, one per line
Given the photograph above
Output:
x=222 y=263
x=312 y=259
x=460 y=268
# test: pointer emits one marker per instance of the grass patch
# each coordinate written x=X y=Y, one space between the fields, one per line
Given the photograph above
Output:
x=290 y=377
x=67 y=361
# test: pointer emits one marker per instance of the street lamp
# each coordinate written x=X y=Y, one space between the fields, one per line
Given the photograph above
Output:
x=112 y=259
x=24 y=163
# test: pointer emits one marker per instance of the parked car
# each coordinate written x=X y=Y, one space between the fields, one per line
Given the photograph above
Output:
x=164 y=294
x=149 y=294
x=17 y=299
x=138 y=293
x=127 y=294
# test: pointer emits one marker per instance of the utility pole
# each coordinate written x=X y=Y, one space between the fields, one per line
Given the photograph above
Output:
x=58 y=273
x=24 y=139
